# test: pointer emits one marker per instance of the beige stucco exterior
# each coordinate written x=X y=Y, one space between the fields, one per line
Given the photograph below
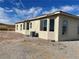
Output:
x=36 y=27
x=72 y=32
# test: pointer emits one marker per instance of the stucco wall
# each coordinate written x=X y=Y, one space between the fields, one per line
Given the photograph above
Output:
x=26 y=32
x=36 y=27
x=47 y=34
x=51 y=35
x=72 y=32
x=57 y=28
x=43 y=35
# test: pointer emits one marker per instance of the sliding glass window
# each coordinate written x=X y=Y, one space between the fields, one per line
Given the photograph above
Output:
x=21 y=27
x=43 y=25
x=27 y=26
x=24 y=25
x=51 y=25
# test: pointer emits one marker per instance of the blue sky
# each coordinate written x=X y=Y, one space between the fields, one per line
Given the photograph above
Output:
x=12 y=11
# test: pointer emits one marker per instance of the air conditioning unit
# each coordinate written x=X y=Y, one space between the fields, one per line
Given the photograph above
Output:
x=36 y=34
x=33 y=34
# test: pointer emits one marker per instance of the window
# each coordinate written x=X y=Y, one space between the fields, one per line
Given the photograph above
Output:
x=64 y=27
x=43 y=25
x=24 y=25
x=27 y=26
x=17 y=27
x=30 y=25
x=21 y=27
x=51 y=25
x=78 y=30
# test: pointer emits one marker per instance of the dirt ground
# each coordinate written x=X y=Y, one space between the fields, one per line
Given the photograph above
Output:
x=17 y=46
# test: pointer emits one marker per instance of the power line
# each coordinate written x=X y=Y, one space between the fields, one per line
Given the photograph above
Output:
x=21 y=3
x=17 y=3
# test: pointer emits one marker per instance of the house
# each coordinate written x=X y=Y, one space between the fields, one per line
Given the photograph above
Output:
x=57 y=26
x=7 y=27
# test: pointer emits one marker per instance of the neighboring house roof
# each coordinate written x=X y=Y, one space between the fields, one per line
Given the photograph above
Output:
x=51 y=14
x=9 y=25
x=2 y=24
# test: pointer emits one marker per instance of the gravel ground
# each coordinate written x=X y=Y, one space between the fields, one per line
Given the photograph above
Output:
x=24 y=48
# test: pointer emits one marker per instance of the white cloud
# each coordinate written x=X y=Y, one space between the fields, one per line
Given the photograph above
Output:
x=1 y=0
x=4 y=21
x=63 y=8
x=69 y=8
x=3 y=16
x=19 y=13
x=33 y=12
x=8 y=10
x=77 y=15
x=28 y=13
x=53 y=9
